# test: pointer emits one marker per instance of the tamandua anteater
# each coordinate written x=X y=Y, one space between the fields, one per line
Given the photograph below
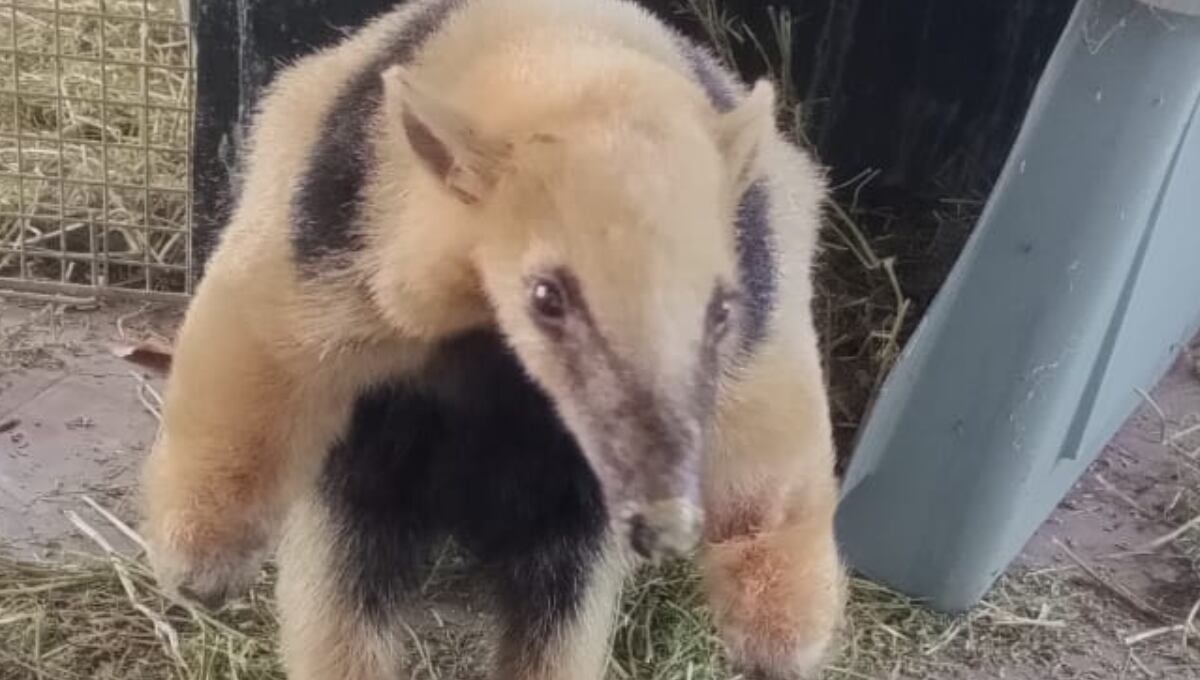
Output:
x=533 y=274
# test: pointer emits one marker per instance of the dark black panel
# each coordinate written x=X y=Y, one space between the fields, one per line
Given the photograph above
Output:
x=924 y=90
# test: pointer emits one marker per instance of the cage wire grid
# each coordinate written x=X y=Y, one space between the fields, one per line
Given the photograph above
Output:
x=96 y=108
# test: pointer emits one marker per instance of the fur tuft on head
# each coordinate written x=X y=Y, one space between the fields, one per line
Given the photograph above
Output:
x=743 y=132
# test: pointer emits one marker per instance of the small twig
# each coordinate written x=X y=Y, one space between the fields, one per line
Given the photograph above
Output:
x=72 y=301
x=1141 y=666
x=117 y=523
x=1120 y=591
x=148 y=406
x=144 y=388
x=126 y=317
x=165 y=630
x=16 y=618
x=1016 y=621
x=1174 y=502
x=1046 y=571
x=1162 y=415
x=1131 y=640
x=1194 y=429
x=888 y=629
x=1000 y=617
x=1111 y=488
x=422 y=650
x=1186 y=458
x=434 y=571
x=1189 y=621
x=1167 y=539
x=1191 y=455
x=90 y=532
x=945 y=639
x=848 y=673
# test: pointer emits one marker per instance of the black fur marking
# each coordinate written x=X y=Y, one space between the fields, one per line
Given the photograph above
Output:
x=709 y=72
x=538 y=594
x=369 y=483
x=757 y=267
x=473 y=450
x=327 y=204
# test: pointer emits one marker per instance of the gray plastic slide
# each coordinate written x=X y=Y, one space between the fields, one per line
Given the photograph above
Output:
x=1078 y=287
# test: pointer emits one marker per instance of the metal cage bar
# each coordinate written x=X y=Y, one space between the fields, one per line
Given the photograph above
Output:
x=96 y=108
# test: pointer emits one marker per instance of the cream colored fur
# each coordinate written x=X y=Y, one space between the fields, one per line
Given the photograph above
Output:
x=268 y=362
x=324 y=634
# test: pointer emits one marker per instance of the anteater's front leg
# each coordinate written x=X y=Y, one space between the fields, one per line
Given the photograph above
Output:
x=771 y=564
x=215 y=480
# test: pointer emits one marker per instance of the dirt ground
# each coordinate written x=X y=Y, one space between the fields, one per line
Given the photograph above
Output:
x=76 y=420
x=72 y=420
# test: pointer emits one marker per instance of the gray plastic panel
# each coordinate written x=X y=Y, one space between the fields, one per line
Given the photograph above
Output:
x=1077 y=287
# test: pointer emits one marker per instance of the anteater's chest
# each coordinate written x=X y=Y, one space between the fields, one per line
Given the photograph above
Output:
x=472 y=449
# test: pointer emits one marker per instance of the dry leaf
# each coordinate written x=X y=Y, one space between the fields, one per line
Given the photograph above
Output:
x=151 y=353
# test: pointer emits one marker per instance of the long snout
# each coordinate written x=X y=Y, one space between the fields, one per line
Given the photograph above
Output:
x=654 y=488
x=666 y=529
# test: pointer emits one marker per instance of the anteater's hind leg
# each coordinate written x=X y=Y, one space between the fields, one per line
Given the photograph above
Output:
x=557 y=609
x=327 y=630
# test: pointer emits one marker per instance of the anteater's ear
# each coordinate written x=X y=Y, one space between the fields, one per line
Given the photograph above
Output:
x=744 y=131
x=443 y=139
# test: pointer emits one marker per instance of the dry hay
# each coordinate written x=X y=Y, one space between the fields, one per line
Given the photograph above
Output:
x=105 y=618
x=76 y=620
x=99 y=135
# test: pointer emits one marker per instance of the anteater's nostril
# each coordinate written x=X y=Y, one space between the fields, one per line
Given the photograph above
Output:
x=641 y=537
x=665 y=529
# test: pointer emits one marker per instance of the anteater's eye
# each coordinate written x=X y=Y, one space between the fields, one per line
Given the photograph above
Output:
x=547 y=299
x=720 y=314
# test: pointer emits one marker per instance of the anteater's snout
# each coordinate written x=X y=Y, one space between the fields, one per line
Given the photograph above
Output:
x=665 y=529
x=651 y=476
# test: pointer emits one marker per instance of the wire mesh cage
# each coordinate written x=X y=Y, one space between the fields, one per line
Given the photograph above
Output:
x=96 y=101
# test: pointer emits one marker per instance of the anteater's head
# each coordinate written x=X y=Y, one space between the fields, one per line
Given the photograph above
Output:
x=601 y=230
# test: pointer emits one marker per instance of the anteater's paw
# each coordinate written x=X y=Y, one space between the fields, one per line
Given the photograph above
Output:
x=777 y=609
x=804 y=666
x=203 y=566
x=779 y=661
